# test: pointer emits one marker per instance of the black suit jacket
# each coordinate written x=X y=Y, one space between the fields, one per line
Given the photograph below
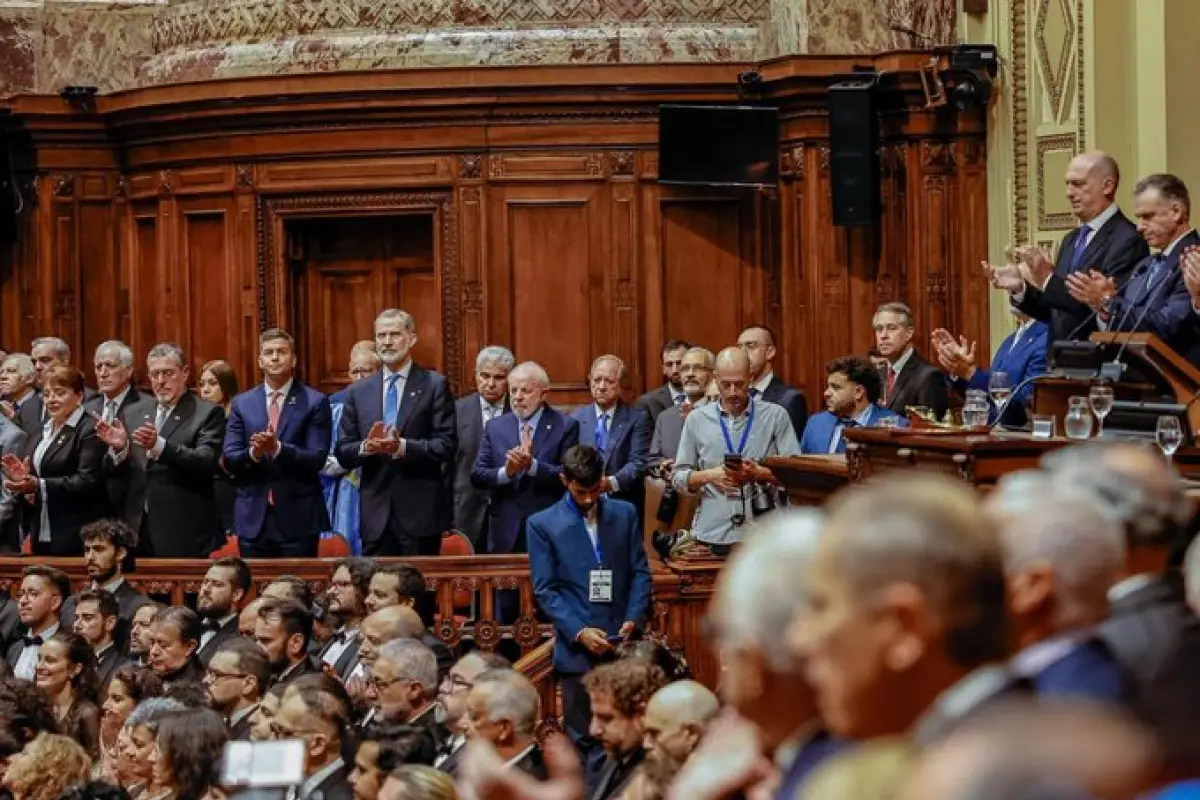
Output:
x=532 y=763
x=470 y=504
x=226 y=632
x=176 y=490
x=918 y=384
x=10 y=621
x=792 y=400
x=334 y=787
x=611 y=777
x=129 y=600
x=1114 y=250
x=29 y=415
x=240 y=730
x=656 y=401
x=73 y=471
x=346 y=662
x=406 y=496
x=112 y=660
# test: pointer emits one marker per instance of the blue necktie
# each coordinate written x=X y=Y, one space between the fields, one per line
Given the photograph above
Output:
x=1155 y=262
x=602 y=433
x=1081 y=243
x=391 y=400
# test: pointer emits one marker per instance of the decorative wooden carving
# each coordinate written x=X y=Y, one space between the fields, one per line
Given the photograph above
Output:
x=245 y=175
x=621 y=162
x=470 y=166
x=165 y=182
x=64 y=185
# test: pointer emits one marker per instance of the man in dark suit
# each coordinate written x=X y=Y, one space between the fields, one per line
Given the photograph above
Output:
x=235 y=679
x=520 y=456
x=166 y=452
x=909 y=380
x=284 y=630
x=106 y=545
x=671 y=393
x=398 y=425
x=589 y=570
x=303 y=713
x=696 y=371
x=276 y=441
x=489 y=401
x=96 y=620
x=113 y=364
x=404 y=680
x=618 y=694
x=39 y=602
x=1105 y=241
x=759 y=343
x=225 y=586
x=1155 y=299
x=502 y=710
x=12 y=441
x=620 y=432
x=17 y=391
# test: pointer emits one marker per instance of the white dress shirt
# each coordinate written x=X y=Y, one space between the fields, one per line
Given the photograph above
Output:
x=489 y=411
x=49 y=434
x=764 y=382
x=336 y=648
x=27 y=662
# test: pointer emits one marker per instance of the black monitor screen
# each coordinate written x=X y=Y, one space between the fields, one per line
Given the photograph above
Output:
x=718 y=145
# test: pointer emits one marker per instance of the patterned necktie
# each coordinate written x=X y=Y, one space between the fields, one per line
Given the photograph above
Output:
x=274 y=409
x=526 y=435
x=391 y=400
x=110 y=411
x=160 y=417
x=602 y=433
x=1081 y=243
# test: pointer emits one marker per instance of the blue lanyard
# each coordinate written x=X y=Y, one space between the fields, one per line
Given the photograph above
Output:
x=745 y=431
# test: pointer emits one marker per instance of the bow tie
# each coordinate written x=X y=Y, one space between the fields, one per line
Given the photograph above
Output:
x=33 y=641
x=212 y=625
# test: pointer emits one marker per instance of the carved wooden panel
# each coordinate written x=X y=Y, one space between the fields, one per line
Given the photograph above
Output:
x=142 y=255
x=100 y=280
x=207 y=277
x=353 y=173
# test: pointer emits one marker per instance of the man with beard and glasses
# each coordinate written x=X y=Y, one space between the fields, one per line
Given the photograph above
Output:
x=399 y=427
x=671 y=393
x=225 y=585
x=141 y=632
x=588 y=564
x=106 y=545
x=696 y=371
x=234 y=680
x=451 y=706
x=284 y=628
x=347 y=605
x=96 y=621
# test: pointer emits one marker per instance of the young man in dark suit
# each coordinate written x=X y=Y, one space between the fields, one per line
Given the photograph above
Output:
x=96 y=620
x=310 y=711
x=908 y=380
x=591 y=577
x=276 y=441
x=472 y=413
x=399 y=427
x=620 y=432
x=671 y=393
x=39 y=601
x=168 y=461
x=520 y=456
x=106 y=545
x=759 y=343
x=235 y=679
x=225 y=586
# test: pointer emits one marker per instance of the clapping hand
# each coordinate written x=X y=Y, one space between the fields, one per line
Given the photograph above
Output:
x=146 y=435
x=517 y=460
x=956 y=357
x=1090 y=288
x=1189 y=263
x=112 y=434
x=263 y=445
x=1004 y=276
x=382 y=440
x=18 y=475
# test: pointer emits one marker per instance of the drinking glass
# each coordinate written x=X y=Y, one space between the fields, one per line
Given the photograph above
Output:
x=1169 y=435
x=1000 y=388
x=1078 y=422
x=1043 y=426
x=975 y=414
x=1100 y=398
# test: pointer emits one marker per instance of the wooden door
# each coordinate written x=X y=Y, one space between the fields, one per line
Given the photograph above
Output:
x=348 y=269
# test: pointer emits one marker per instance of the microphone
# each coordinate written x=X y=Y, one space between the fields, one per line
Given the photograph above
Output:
x=1138 y=270
x=1118 y=368
x=1002 y=407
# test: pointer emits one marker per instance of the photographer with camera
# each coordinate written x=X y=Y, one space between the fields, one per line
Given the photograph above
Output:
x=720 y=451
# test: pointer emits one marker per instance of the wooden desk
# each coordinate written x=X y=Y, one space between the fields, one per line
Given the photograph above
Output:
x=810 y=480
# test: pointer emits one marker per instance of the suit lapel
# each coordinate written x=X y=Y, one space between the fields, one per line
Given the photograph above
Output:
x=906 y=375
x=544 y=432
x=414 y=387
x=616 y=431
x=294 y=406
x=60 y=441
x=182 y=410
x=371 y=408
x=474 y=423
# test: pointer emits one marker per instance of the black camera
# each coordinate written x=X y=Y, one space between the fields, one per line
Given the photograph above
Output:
x=762 y=499
x=663 y=543
x=668 y=505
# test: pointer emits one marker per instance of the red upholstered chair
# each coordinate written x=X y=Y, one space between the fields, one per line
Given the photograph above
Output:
x=456 y=543
x=228 y=550
x=334 y=546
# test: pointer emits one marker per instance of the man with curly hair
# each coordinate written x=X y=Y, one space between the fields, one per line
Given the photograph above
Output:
x=619 y=693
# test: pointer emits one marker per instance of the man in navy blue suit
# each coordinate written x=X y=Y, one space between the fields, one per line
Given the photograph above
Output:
x=1061 y=555
x=590 y=576
x=620 y=432
x=520 y=458
x=1021 y=356
x=1155 y=299
x=275 y=446
x=398 y=426
x=852 y=391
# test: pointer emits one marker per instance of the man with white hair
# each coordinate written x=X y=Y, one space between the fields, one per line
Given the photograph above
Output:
x=502 y=710
x=403 y=683
x=775 y=724
x=520 y=458
x=398 y=426
x=619 y=431
x=489 y=401
x=16 y=385
x=117 y=399
x=1061 y=555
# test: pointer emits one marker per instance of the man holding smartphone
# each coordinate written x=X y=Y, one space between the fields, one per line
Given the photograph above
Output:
x=720 y=450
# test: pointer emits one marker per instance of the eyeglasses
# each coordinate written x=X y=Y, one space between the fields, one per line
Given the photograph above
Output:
x=456 y=683
x=212 y=675
x=381 y=686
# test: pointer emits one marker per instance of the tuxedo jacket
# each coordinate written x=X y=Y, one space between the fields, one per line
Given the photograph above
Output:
x=792 y=400
x=336 y=786
x=656 y=401
x=346 y=662
x=240 y=730
x=612 y=776
x=918 y=384
x=129 y=600
x=72 y=470
x=407 y=494
x=111 y=661
x=173 y=494
x=1114 y=250
x=226 y=632
x=291 y=479
x=1157 y=301
x=818 y=433
x=513 y=502
x=627 y=449
x=470 y=503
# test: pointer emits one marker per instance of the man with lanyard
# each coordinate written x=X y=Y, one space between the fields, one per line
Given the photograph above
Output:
x=720 y=450
x=591 y=577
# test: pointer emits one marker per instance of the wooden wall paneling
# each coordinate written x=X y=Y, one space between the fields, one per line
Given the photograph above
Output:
x=245 y=260
x=472 y=278
x=60 y=269
x=969 y=245
x=797 y=328
x=546 y=278
x=100 y=281
x=208 y=285
x=933 y=199
x=622 y=277
x=142 y=256
x=830 y=273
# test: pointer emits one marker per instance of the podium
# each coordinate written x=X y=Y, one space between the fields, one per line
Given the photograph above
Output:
x=1153 y=373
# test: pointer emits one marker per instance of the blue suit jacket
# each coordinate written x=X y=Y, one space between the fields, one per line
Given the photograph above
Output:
x=628 y=449
x=1089 y=671
x=560 y=558
x=294 y=476
x=1163 y=306
x=512 y=503
x=1022 y=362
x=818 y=432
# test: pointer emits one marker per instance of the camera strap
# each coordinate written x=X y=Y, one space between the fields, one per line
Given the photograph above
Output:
x=741 y=448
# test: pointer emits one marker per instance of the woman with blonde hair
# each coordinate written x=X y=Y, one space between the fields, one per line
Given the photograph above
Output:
x=47 y=767
x=418 y=782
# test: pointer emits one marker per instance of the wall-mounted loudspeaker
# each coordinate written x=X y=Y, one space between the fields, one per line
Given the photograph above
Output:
x=854 y=153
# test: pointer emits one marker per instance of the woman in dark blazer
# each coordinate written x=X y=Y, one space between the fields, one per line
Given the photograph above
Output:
x=218 y=384
x=63 y=470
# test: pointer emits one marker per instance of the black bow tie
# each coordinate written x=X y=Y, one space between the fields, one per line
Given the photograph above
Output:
x=212 y=625
x=33 y=641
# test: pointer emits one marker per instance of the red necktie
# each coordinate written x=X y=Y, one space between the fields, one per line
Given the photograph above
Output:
x=891 y=383
x=273 y=409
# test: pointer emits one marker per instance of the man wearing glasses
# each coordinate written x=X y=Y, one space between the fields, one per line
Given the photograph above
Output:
x=403 y=684
x=451 y=707
x=317 y=718
x=234 y=681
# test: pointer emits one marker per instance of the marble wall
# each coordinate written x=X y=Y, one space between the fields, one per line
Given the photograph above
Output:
x=48 y=44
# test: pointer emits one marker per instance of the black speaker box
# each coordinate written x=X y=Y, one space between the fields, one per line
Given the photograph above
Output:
x=854 y=153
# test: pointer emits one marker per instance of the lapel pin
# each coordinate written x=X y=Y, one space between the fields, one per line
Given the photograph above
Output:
x=292 y=400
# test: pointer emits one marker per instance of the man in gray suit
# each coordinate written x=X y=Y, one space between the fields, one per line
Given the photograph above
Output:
x=12 y=440
x=695 y=371
x=472 y=413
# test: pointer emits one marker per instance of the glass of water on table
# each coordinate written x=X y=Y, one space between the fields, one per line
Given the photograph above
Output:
x=1169 y=435
x=1100 y=398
